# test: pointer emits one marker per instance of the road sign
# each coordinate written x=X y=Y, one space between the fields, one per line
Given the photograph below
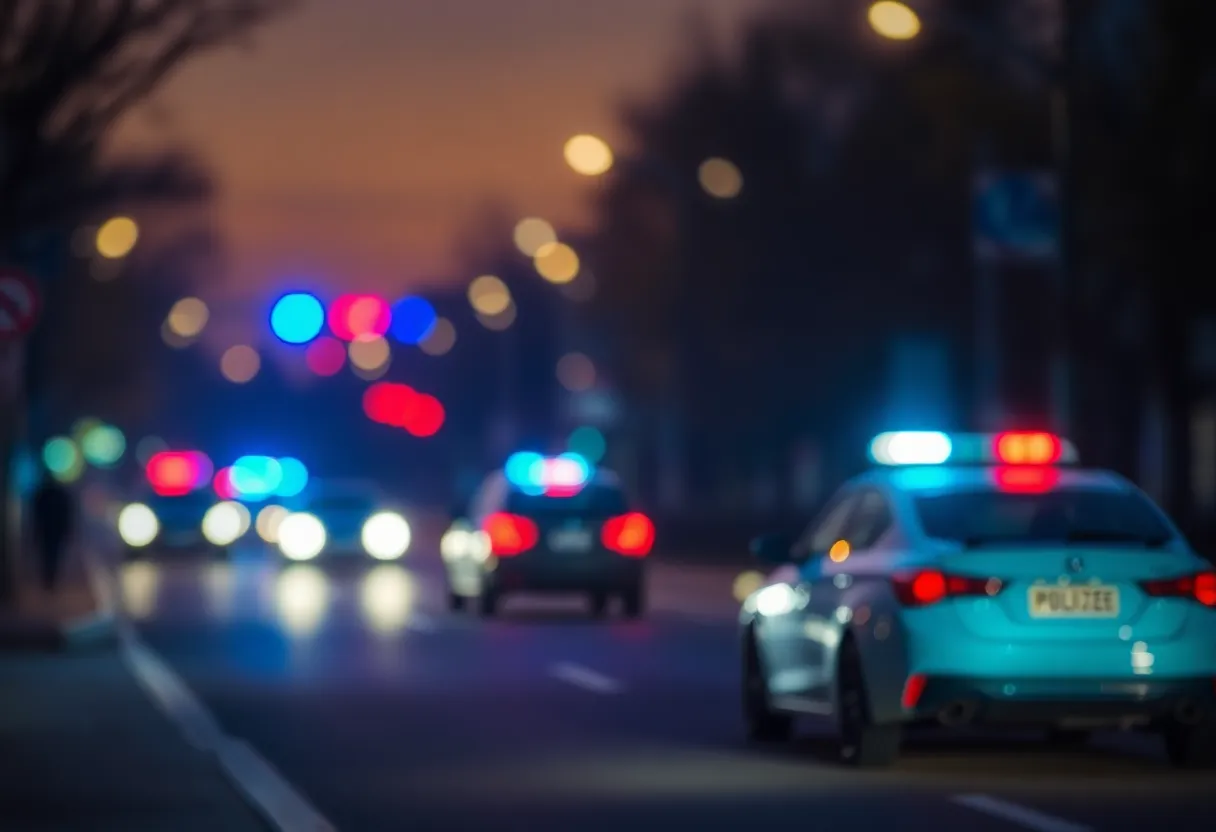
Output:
x=1016 y=217
x=19 y=304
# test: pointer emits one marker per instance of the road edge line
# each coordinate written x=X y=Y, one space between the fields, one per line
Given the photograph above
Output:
x=585 y=678
x=1017 y=814
x=266 y=791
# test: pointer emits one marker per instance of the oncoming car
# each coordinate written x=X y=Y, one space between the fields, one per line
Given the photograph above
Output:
x=548 y=525
x=187 y=523
x=984 y=580
x=343 y=519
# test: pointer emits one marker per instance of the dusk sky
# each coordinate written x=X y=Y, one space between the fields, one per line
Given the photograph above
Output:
x=357 y=136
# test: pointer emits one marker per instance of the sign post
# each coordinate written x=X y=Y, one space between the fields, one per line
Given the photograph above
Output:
x=20 y=304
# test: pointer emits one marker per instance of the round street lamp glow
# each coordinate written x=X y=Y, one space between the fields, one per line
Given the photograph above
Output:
x=894 y=20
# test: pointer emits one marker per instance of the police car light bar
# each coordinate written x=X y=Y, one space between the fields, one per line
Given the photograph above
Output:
x=563 y=475
x=937 y=448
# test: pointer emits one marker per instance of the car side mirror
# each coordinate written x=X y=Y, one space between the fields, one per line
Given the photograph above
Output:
x=773 y=549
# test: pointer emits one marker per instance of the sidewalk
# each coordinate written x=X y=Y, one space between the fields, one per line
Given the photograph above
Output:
x=72 y=615
x=85 y=749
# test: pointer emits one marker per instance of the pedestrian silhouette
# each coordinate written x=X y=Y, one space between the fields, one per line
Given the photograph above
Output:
x=53 y=516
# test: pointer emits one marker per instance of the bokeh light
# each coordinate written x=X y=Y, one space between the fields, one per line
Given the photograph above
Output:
x=188 y=317
x=224 y=523
x=240 y=364
x=301 y=536
x=369 y=354
x=175 y=473
x=488 y=295
x=62 y=459
x=369 y=317
x=588 y=155
x=386 y=535
x=103 y=445
x=501 y=321
x=325 y=356
x=387 y=404
x=117 y=237
x=588 y=443
x=747 y=583
x=268 y=521
x=441 y=338
x=557 y=263
x=532 y=234
x=256 y=477
x=222 y=483
x=576 y=372
x=413 y=321
x=297 y=318
x=720 y=178
x=896 y=21
x=171 y=338
x=293 y=477
x=371 y=375
x=424 y=416
x=137 y=525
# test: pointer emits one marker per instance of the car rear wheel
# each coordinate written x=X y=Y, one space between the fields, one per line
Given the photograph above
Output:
x=1067 y=737
x=862 y=743
x=487 y=603
x=633 y=601
x=599 y=604
x=761 y=722
x=1191 y=746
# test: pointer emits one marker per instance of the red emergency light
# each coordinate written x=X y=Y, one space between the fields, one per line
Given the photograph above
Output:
x=176 y=473
x=1028 y=448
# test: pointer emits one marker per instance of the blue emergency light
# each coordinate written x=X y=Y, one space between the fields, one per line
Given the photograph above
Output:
x=562 y=475
x=936 y=448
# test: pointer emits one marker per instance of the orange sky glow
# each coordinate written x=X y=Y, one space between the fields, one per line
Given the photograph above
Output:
x=355 y=140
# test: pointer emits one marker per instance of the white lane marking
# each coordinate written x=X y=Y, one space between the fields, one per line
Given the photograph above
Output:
x=275 y=798
x=1016 y=814
x=585 y=678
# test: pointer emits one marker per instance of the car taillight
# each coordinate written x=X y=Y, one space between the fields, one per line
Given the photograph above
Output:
x=1201 y=587
x=510 y=534
x=930 y=586
x=631 y=535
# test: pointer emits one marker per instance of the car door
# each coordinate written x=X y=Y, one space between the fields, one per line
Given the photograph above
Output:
x=853 y=558
x=793 y=661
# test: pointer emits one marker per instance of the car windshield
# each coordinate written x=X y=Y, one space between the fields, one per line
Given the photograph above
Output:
x=595 y=500
x=1064 y=516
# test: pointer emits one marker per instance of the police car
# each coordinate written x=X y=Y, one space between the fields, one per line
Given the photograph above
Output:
x=548 y=525
x=984 y=580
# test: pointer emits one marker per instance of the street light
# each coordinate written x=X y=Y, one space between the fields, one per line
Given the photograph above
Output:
x=588 y=155
x=116 y=237
x=894 y=21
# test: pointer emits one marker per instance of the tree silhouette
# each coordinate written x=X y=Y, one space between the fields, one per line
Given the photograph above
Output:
x=69 y=70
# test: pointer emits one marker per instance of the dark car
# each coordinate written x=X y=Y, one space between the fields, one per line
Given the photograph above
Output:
x=179 y=525
x=560 y=538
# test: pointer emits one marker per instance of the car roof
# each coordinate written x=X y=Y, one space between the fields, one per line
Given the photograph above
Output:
x=943 y=479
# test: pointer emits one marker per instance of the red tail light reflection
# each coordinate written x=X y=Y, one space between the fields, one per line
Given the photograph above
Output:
x=631 y=535
x=510 y=534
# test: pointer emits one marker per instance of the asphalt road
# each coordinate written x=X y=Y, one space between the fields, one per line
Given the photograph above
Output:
x=388 y=713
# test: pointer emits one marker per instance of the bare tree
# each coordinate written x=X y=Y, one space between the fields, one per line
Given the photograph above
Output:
x=69 y=71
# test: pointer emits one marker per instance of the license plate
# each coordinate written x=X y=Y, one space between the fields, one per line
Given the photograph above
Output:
x=570 y=540
x=1074 y=602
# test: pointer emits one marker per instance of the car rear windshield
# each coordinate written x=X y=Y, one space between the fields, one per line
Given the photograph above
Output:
x=978 y=517
x=595 y=501
x=342 y=503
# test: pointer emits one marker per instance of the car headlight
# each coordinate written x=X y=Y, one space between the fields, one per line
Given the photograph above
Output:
x=301 y=536
x=137 y=525
x=386 y=535
x=224 y=523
